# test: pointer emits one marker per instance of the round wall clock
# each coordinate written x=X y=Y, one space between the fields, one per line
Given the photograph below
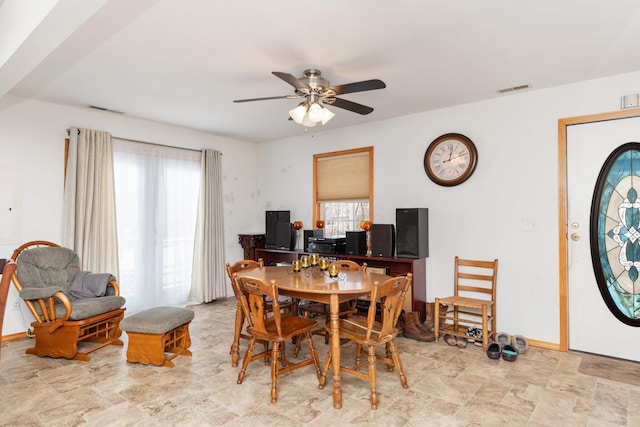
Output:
x=450 y=159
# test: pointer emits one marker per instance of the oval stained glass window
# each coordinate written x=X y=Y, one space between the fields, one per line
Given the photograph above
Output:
x=615 y=233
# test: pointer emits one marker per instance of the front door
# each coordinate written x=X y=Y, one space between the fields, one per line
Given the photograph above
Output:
x=591 y=325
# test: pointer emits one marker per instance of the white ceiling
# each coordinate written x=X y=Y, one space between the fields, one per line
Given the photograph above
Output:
x=184 y=61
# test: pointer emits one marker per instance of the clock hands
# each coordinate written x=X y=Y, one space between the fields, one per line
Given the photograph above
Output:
x=456 y=157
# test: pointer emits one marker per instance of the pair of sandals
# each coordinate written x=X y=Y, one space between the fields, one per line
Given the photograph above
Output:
x=519 y=342
x=507 y=346
x=454 y=341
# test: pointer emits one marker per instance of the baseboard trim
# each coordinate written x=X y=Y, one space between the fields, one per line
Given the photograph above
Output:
x=544 y=344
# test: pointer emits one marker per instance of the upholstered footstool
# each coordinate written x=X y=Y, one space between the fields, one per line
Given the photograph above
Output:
x=157 y=331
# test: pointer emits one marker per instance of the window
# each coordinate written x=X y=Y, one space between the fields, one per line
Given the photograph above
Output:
x=156 y=202
x=343 y=189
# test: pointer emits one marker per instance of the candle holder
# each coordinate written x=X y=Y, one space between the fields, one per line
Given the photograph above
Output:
x=334 y=270
x=304 y=261
x=297 y=225
x=314 y=259
x=320 y=224
x=296 y=266
x=323 y=263
x=366 y=226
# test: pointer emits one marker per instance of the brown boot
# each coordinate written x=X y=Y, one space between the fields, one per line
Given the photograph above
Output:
x=428 y=323
x=427 y=332
x=431 y=308
x=411 y=329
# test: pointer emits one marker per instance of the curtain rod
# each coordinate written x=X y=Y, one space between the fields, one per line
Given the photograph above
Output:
x=145 y=142
x=154 y=143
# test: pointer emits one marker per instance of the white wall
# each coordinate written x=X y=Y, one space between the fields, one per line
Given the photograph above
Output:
x=32 y=148
x=516 y=181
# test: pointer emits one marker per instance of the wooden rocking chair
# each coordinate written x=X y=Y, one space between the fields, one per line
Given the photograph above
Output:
x=44 y=275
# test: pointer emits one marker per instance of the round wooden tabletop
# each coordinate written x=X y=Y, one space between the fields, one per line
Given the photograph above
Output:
x=313 y=280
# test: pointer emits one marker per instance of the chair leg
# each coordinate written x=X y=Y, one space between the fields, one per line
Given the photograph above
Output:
x=358 y=353
x=372 y=376
x=325 y=370
x=436 y=319
x=455 y=318
x=389 y=357
x=235 y=346
x=246 y=360
x=300 y=337
x=485 y=329
x=398 y=364
x=314 y=354
x=274 y=371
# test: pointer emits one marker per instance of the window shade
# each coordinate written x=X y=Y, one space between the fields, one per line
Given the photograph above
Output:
x=344 y=177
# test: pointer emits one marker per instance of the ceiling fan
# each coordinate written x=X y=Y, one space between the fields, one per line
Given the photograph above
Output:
x=316 y=91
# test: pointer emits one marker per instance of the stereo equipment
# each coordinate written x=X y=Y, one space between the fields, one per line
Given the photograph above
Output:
x=412 y=233
x=383 y=240
x=310 y=233
x=327 y=245
x=272 y=218
x=285 y=236
x=356 y=243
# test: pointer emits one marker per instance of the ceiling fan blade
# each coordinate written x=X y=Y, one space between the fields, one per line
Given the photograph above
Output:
x=348 y=105
x=268 y=98
x=291 y=79
x=358 y=86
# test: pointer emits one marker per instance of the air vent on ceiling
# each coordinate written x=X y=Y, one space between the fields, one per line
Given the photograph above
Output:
x=105 y=109
x=514 y=88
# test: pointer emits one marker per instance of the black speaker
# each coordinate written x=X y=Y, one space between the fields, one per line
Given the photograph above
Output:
x=272 y=218
x=285 y=236
x=383 y=240
x=356 y=243
x=310 y=233
x=412 y=232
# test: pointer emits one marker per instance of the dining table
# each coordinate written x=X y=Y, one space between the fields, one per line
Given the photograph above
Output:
x=313 y=284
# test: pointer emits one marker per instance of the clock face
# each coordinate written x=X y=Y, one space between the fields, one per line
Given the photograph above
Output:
x=450 y=159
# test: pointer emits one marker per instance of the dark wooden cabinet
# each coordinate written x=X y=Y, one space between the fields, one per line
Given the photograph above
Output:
x=394 y=267
x=250 y=242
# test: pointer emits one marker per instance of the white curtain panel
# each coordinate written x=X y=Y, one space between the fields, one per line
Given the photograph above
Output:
x=157 y=202
x=208 y=281
x=89 y=220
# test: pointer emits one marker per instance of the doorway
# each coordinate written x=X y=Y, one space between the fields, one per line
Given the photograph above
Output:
x=586 y=324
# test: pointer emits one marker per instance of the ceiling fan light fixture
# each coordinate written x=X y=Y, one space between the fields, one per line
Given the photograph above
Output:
x=316 y=91
x=315 y=113
x=327 y=115
x=306 y=122
x=298 y=114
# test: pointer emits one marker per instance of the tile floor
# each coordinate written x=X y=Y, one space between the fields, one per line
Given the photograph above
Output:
x=448 y=386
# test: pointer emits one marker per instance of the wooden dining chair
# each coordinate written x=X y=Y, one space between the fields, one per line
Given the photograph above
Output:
x=368 y=332
x=238 y=266
x=473 y=303
x=275 y=328
x=311 y=308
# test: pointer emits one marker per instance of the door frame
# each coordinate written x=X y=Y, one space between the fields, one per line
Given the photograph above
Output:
x=562 y=207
